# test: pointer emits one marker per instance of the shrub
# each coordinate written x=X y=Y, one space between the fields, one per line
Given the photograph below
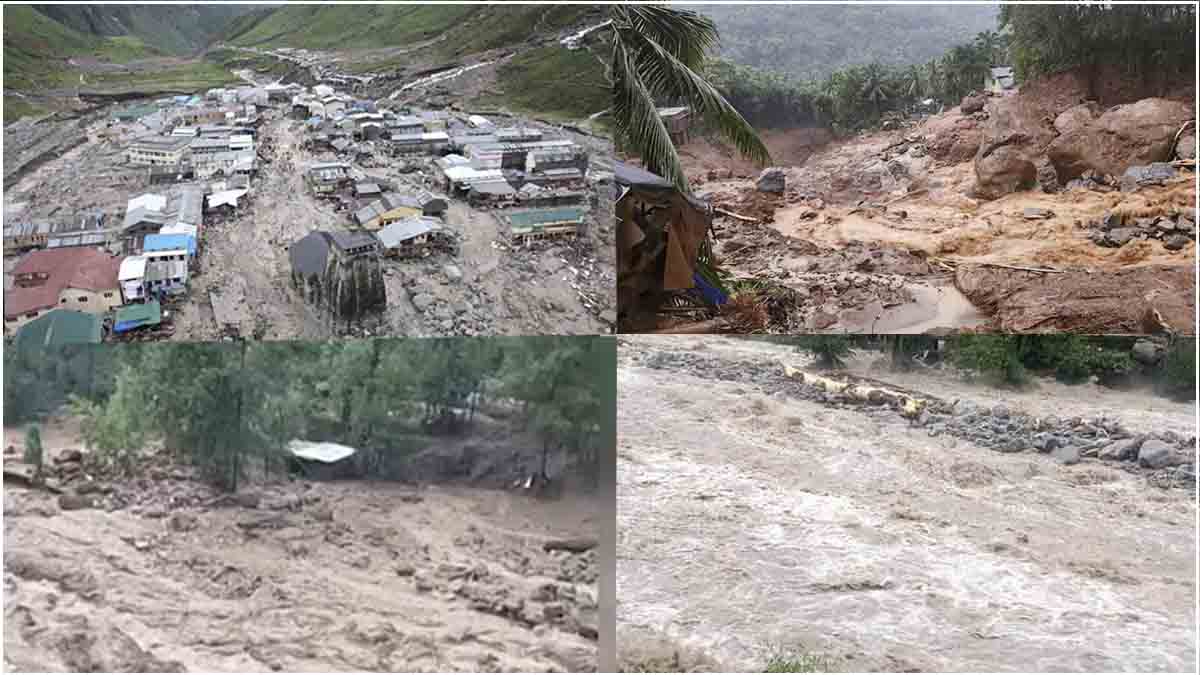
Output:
x=995 y=356
x=33 y=448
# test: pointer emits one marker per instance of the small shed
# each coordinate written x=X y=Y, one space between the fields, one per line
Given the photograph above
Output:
x=138 y=315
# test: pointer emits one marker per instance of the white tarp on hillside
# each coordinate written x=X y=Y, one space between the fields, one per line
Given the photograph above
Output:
x=320 y=452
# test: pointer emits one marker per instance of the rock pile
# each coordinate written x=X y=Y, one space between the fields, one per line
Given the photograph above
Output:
x=1069 y=440
x=1174 y=231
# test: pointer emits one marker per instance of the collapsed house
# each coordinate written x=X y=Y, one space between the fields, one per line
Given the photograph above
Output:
x=660 y=233
x=340 y=273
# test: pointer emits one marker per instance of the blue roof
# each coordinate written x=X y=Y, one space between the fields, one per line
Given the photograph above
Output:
x=170 y=242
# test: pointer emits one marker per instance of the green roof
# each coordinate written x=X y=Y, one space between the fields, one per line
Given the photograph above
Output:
x=137 y=315
x=59 y=327
x=538 y=219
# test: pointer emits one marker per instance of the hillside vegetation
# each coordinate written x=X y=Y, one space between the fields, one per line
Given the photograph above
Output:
x=812 y=41
x=172 y=29
x=461 y=29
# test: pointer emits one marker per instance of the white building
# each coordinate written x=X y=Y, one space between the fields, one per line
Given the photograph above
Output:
x=132 y=277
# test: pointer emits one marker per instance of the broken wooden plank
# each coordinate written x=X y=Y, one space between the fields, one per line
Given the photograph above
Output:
x=735 y=216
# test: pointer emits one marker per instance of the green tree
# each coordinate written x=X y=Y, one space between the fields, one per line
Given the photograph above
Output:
x=995 y=356
x=657 y=55
x=875 y=89
x=830 y=350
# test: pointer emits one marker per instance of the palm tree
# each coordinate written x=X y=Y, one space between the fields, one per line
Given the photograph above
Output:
x=933 y=78
x=875 y=87
x=991 y=45
x=657 y=52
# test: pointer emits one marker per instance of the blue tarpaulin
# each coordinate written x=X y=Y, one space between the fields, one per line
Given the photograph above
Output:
x=710 y=293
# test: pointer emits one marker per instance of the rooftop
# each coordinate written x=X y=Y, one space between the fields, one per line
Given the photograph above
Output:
x=407 y=228
x=162 y=143
x=59 y=327
x=84 y=268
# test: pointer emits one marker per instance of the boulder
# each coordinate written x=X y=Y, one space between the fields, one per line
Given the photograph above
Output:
x=1005 y=170
x=951 y=138
x=1067 y=455
x=1120 y=236
x=772 y=180
x=1147 y=351
x=1176 y=242
x=1156 y=173
x=1155 y=454
x=1036 y=213
x=422 y=301
x=1185 y=147
x=1121 y=451
x=973 y=103
x=1075 y=118
x=1124 y=136
x=452 y=272
x=183 y=522
x=74 y=502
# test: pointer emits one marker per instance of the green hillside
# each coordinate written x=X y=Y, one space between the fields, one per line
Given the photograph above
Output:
x=466 y=28
x=812 y=41
x=172 y=29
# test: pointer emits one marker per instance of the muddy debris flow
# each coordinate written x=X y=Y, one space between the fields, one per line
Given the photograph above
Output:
x=161 y=573
x=871 y=539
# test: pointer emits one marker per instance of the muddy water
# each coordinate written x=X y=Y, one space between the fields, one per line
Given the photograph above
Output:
x=939 y=305
x=750 y=525
x=347 y=576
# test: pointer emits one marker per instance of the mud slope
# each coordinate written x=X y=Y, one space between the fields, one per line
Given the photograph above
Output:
x=751 y=524
x=905 y=193
x=315 y=577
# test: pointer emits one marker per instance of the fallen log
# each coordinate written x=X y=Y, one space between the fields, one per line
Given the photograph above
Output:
x=910 y=406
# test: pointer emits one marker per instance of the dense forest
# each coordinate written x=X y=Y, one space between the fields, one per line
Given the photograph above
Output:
x=811 y=42
x=230 y=407
x=1143 y=40
x=1012 y=360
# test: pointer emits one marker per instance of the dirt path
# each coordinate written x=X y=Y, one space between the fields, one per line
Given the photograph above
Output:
x=318 y=577
x=752 y=525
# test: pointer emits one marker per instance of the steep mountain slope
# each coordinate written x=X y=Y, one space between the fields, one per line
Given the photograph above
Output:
x=461 y=29
x=174 y=29
x=811 y=41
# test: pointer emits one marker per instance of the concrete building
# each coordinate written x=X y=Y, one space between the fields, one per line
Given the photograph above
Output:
x=83 y=279
x=158 y=150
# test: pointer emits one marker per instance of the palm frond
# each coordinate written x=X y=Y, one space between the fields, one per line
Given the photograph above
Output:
x=639 y=125
x=662 y=72
x=684 y=34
